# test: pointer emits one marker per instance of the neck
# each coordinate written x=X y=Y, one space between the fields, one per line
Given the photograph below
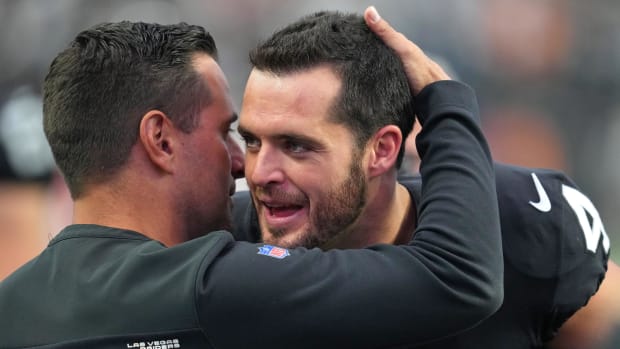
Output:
x=388 y=218
x=122 y=205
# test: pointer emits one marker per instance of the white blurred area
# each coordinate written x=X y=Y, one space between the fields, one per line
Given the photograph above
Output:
x=546 y=73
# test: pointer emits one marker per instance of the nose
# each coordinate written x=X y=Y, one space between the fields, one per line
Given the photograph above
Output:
x=264 y=167
x=237 y=160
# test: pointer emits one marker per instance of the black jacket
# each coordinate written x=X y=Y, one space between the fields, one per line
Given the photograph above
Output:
x=100 y=287
x=555 y=256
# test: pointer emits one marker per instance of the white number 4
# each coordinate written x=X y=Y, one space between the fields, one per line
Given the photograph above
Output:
x=582 y=205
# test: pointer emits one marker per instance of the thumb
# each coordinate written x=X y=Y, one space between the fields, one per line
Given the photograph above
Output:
x=420 y=69
x=393 y=39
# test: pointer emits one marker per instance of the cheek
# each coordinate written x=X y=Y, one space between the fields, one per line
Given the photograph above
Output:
x=250 y=162
x=317 y=178
x=212 y=160
x=223 y=156
x=314 y=184
x=322 y=182
x=249 y=170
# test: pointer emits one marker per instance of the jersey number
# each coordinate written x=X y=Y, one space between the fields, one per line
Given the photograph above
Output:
x=582 y=207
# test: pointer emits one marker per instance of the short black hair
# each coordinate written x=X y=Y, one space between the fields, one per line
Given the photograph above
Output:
x=98 y=89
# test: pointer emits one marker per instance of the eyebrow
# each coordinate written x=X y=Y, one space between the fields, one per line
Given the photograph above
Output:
x=243 y=131
x=291 y=136
x=308 y=141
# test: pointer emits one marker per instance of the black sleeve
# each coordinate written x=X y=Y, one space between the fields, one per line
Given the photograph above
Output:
x=446 y=280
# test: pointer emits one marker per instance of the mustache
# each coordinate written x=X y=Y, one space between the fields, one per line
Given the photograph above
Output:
x=270 y=194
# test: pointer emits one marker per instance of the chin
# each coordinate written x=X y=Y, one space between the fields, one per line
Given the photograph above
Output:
x=293 y=240
x=288 y=240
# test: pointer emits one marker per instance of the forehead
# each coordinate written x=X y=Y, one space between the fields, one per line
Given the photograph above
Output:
x=220 y=107
x=288 y=100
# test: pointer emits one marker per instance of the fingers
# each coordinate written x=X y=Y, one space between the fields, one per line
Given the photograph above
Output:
x=395 y=40
x=420 y=69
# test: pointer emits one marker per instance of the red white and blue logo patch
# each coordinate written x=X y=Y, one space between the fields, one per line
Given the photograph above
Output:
x=273 y=251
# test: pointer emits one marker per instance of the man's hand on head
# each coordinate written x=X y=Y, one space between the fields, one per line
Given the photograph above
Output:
x=420 y=69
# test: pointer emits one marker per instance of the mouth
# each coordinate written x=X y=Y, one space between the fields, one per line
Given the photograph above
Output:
x=282 y=211
x=283 y=216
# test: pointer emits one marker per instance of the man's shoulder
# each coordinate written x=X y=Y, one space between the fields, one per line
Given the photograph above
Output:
x=549 y=227
x=551 y=230
x=126 y=278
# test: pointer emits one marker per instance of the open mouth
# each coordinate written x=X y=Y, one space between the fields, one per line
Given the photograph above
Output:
x=281 y=211
x=284 y=216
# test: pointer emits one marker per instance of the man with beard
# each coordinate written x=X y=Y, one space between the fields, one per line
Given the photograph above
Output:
x=138 y=118
x=324 y=117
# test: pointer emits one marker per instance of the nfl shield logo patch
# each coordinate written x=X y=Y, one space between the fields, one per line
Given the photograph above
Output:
x=273 y=251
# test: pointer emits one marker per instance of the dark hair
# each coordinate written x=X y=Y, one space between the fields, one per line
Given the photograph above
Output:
x=375 y=91
x=98 y=89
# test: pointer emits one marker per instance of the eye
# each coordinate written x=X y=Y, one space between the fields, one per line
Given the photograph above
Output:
x=251 y=143
x=296 y=147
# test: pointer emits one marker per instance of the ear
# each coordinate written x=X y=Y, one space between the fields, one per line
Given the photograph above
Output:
x=385 y=145
x=157 y=137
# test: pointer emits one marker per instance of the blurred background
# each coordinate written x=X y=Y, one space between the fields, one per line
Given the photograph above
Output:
x=546 y=72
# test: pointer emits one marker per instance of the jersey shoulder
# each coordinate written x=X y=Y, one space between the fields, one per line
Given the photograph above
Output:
x=549 y=227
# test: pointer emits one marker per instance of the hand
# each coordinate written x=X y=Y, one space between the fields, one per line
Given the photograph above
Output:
x=420 y=69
